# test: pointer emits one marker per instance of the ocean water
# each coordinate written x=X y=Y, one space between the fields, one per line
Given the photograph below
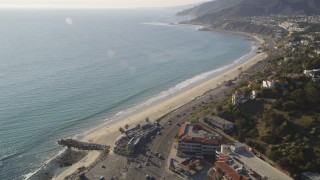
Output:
x=63 y=72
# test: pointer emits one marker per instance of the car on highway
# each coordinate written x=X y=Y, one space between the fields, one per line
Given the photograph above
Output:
x=160 y=156
x=149 y=177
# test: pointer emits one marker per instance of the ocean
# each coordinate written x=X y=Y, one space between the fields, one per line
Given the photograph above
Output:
x=64 y=72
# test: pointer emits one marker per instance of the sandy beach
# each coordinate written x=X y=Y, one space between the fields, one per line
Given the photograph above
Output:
x=108 y=134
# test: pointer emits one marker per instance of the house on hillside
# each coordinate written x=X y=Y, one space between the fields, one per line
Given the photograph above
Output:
x=314 y=74
x=297 y=79
x=238 y=98
x=304 y=42
x=269 y=83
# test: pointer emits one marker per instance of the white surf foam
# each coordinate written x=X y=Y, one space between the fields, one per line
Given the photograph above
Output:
x=157 y=24
x=172 y=91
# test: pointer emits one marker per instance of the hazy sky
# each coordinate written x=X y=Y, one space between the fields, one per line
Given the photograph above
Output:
x=94 y=3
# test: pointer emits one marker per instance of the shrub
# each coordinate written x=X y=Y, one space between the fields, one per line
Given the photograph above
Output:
x=121 y=130
x=289 y=106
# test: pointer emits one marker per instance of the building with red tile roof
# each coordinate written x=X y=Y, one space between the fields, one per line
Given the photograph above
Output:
x=194 y=140
x=192 y=165
x=229 y=170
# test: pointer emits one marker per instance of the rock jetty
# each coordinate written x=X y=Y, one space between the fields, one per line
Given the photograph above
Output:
x=72 y=143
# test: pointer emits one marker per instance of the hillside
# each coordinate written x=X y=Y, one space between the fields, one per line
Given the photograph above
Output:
x=208 y=7
x=218 y=10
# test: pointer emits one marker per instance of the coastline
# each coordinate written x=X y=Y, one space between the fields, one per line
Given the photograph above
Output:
x=106 y=135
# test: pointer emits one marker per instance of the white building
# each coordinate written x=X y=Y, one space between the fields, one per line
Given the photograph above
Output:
x=269 y=84
x=312 y=73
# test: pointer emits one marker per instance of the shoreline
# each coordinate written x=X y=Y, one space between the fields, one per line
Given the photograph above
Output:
x=107 y=134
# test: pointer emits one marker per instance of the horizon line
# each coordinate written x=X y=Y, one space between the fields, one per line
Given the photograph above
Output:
x=80 y=7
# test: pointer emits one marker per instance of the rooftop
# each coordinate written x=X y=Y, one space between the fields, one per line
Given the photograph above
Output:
x=311 y=175
x=229 y=166
x=194 y=133
x=192 y=165
x=220 y=120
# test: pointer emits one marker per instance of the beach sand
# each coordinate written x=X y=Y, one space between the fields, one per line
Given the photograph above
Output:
x=107 y=135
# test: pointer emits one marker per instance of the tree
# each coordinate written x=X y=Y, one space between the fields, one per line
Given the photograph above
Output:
x=121 y=130
x=127 y=126
x=273 y=119
x=246 y=91
x=312 y=93
x=277 y=104
x=147 y=119
x=138 y=125
x=299 y=96
x=219 y=109
x=289 y=106
x=274 y=155
x=220 y=174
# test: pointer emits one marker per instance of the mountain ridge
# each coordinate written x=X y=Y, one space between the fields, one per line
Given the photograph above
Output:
x=212 y=11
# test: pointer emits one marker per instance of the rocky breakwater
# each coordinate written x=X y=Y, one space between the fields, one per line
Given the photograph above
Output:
x=76 y=150
x=72 y=143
